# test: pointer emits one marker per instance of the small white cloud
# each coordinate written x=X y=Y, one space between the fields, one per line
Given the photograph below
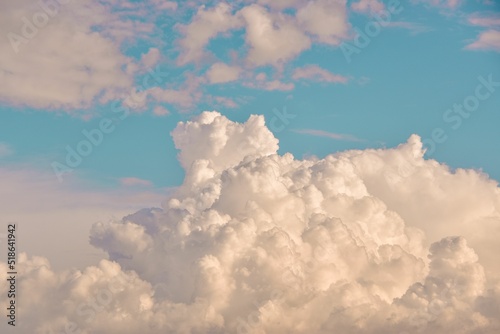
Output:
x=161 y=111
x=151 y=57
x=185 y=96
x=222 y=73
x=487 y=40
x=261 y=76
x=326 y=20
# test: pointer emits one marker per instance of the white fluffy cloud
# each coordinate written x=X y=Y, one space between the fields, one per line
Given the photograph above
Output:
x=373 y=241
x=272 y=37
x=222 y=73
x=326 y=20
x=64 y=56
x=205 y=25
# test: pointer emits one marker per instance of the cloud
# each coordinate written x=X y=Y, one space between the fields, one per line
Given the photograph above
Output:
x=63 y=213
x=318 y=74
x=134 y=181
x=413 y=27
x=487 y=40
x=450 y=4
x=225 y=148
x=281 y=4
x=326 y=134
x=484 y=21
x=368 y=6
x=151 y=58
x=161 y=111
x=222 y=73
x=165 y=5
x=362 y=241
x=261 y=82
x=64 y=56
x=274 y=85
x=226 y=102
x=206 y=24
x=92 y=47
x=184 y=96
x=326 y=20
x=272 y=38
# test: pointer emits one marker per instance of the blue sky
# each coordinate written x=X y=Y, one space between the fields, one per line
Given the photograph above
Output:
x=426 y=59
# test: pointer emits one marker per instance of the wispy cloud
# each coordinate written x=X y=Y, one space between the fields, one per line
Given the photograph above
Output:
x=134 y=182
x=326 y=134
x=448 y=4
x=484 y=20
x=487 y=40
x=368 y=6
x=5 y=150
x=413 y=27
x=318 y=74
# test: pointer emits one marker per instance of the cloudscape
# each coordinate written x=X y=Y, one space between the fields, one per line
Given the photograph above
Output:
x=250 y=166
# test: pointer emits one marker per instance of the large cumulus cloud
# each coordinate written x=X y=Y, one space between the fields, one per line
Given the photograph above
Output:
x=373 y=241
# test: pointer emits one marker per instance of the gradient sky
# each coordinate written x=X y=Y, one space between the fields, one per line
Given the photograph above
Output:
x=426 y=59
x=102 y=101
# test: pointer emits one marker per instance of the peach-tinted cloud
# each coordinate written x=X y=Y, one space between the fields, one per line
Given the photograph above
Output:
x=368 y=6
x=326 y=134
x=318 y=74
x=222 y=73
x=487 y=40
x=134 y=181
x=362 y=241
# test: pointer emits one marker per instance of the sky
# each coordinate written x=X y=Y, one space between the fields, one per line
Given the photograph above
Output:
x=423 y=61
x=261 y=126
